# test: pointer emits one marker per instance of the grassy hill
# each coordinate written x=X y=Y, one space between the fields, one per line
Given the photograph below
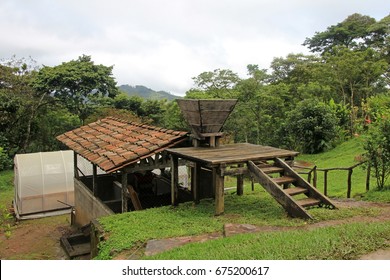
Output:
x=346 y=154
x=147 y=93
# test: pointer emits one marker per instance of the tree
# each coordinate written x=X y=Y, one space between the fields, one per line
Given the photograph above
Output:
x=356 y=76
x=77 y=84
x=377 y=147
x=355 y=32
x=312 y=126
x=20 y=104
x=219 y=83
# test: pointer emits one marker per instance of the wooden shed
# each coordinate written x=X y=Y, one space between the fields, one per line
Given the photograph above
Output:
x=121 y=156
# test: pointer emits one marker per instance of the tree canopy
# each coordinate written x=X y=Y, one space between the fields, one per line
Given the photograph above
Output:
x=78 y=84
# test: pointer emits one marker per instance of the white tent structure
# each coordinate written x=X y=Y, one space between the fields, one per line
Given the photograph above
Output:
x=43 y=184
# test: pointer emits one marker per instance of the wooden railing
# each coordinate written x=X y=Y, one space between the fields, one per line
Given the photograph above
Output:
x=312 y=175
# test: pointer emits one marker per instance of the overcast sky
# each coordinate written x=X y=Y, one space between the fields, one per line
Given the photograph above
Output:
x=163 y=44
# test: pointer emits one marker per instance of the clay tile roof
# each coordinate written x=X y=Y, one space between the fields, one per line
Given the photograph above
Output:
x=113 y=144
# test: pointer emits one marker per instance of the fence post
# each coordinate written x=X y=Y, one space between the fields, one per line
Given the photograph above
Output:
x=349 y=182
x=368 y=177
x=315 y=176
x=326 y=182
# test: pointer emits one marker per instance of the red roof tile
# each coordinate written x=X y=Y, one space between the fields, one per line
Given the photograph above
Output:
x=113 y=144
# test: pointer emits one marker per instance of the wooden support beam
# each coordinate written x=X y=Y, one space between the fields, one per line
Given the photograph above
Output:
x=75 y=167
x=195 y=177
x=174 y=180
x=94 y=180
x=218 y=182
x=134 y=197
x=124 y=192
x=240 y=182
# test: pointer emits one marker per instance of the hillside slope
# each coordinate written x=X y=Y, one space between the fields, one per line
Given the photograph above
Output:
x=147 y=93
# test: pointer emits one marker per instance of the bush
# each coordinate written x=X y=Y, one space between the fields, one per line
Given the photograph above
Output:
x=377 y=148
x=5 y=161
x=312 y=126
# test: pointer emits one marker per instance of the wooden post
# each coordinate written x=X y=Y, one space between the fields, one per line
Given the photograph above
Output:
x=349 y=183
x=218 y=182
x=253 y=184
x=94 y=180
x=315 y=177
x=124 y=191
x=240 y=182
x=174 y=180
x=325 y=182
x=368 y=177
x=75 y=167
x=195 y=173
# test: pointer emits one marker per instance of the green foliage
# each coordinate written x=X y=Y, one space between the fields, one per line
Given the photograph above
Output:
x=312 y=126
x=355 y=32
x=76 y=83
x=219 y=83
x=378 y=106
x=377 y=148
x=5 y=161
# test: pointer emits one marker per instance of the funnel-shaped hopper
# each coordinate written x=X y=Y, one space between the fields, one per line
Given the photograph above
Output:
x=206 y=116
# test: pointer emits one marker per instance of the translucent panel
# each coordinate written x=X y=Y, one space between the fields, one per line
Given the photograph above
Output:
x=43 y=181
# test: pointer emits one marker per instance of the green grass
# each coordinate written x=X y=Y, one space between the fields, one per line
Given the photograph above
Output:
x=343 y=242
x=6 y=187
x=6 y=196
x=130 y=229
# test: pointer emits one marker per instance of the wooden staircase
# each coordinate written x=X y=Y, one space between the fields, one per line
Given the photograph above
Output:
x=293 y=192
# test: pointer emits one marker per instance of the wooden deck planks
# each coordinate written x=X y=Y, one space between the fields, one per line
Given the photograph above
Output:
x=233 y=153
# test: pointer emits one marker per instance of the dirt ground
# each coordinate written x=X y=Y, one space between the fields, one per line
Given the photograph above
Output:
x=39 y=239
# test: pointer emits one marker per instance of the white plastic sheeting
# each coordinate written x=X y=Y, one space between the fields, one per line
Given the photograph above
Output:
x=43 y=183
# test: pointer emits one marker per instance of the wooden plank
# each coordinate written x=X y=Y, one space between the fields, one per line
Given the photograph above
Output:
x=271 y=169
x=295 y=191
x=272 y=188
x=283 y=180
x=307 y=202
x=134 y=197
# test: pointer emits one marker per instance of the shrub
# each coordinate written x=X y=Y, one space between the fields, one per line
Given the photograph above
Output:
x=5 y=161
x=312 y=126
x=377 y=148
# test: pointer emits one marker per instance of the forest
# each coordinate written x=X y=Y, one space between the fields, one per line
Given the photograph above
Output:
x=309 y=103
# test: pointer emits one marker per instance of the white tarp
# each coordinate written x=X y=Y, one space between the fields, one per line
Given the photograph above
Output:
x=43 y=182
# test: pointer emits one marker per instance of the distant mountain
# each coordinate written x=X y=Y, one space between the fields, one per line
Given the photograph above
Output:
x=147 y=93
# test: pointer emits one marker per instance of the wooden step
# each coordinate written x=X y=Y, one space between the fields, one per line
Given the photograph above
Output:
x=283 y=180
x=271 y=169
x=307 y=202
x=295 y=191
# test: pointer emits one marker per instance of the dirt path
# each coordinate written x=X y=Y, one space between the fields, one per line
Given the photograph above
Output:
x=39 y=239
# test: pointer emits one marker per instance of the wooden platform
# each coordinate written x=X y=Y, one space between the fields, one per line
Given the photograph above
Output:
x=218 y=159
x=233 y=153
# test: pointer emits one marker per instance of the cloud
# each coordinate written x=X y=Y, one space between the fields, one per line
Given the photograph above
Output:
x=163 y=44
